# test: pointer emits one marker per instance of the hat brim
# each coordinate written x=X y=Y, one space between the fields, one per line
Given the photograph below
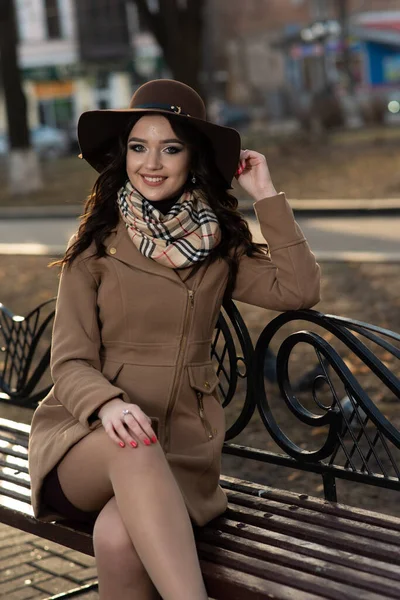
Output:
x=99 y=129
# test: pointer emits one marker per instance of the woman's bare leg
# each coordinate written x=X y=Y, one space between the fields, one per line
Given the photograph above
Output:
x=120 y=571
x=150 y=504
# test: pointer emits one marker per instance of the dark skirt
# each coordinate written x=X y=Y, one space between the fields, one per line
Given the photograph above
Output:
x=54 y=497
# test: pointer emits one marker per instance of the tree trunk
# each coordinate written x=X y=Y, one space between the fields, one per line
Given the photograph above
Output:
x=24 y=174
x=178 y=28
x=350 y=104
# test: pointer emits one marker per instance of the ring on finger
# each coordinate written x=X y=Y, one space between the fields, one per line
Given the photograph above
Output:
x=126 y=412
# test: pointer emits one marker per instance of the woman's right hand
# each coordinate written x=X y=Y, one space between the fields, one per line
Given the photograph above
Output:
x=130 y=428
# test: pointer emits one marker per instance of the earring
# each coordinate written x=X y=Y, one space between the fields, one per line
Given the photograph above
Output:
x=194 y=179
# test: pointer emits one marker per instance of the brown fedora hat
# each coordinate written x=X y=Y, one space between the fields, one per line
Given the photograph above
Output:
x=98 y=129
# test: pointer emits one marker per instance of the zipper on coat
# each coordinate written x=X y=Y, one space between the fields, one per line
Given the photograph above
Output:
x=191 y=298
x=204 y=420
x=182 y=347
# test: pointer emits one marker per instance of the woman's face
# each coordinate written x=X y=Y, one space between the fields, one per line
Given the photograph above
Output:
x=157 y=162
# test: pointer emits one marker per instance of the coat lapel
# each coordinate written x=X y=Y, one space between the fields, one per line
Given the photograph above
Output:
x=120 y=246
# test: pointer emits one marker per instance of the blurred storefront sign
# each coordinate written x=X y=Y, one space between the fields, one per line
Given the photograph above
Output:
x=53 y=89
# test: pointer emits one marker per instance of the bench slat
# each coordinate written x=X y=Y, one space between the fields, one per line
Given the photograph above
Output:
x=11 y=465
x=7 y=451
x=15 y=495
x=316 y=504
x=15 y=427
x=14 y=437
x=330 y=537
x=223 y=582
x=59 y=533
x=283 y=574
x=14 y=479
x=306 y=515
x=312 y=549
x=348 y=575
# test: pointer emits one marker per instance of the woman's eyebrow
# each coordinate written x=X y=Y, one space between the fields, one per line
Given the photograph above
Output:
x=170 y=141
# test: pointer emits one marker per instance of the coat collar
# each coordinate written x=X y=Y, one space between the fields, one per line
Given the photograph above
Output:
x=120 y=246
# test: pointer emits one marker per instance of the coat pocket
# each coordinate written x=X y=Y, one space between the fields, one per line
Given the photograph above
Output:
x=204 y=381
x=203 y=378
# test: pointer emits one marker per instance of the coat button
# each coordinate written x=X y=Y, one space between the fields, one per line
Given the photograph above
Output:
x=112 y=250
x=207 y=385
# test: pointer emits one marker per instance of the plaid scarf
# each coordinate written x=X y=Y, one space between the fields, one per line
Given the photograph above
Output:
x=183 y=237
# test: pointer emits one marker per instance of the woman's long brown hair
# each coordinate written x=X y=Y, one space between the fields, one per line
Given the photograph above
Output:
x=101 y=212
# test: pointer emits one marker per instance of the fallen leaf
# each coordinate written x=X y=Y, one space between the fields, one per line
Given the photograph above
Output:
x=318 y=430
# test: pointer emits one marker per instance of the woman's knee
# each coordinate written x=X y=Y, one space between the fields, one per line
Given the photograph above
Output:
x=113 y=547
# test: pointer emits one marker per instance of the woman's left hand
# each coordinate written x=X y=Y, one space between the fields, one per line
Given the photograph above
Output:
x=253 y=175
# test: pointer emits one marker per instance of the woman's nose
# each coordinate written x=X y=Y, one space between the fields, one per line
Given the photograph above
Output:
x=153 y=160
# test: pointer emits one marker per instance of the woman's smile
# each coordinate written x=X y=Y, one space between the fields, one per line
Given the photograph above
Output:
x=153 y=181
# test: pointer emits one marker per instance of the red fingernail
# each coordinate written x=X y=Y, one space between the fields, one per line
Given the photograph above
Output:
x=122 y=444
x=154 y=439
x=133 y=444
x=147 y=442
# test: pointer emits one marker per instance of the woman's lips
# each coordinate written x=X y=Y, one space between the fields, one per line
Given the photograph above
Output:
x=153 y=181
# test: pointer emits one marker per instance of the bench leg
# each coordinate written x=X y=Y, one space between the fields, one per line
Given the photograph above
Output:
x=329 y=482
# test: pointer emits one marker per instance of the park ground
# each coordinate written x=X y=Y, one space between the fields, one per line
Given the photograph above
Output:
x=355 y=165
x=368 y=292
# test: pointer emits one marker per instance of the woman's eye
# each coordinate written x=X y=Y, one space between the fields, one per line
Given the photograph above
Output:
x=172 y=150
x=136 y=147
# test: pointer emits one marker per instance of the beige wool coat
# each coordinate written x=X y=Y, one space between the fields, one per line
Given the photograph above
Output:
x=126 y=325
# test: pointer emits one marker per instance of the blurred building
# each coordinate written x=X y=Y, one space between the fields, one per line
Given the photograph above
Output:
x=48 y=55
x=378 y=33
x=267 y=60
x=255 y=70
x=78 y=55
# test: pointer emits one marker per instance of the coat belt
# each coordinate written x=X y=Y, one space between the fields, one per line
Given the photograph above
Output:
x=155 y=354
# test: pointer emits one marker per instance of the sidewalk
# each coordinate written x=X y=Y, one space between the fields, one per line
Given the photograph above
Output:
x=323 y=207
x=362 y=236
x=32 y=568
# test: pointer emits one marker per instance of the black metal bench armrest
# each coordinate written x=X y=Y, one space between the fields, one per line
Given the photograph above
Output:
x=360 y=442
x=25 y=354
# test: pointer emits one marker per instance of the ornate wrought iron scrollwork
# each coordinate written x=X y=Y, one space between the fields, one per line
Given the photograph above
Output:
x=232 y=358
x=22 y=362
x=356 y=426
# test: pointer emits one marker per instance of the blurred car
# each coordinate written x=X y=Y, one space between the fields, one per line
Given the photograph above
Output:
x=48 y=142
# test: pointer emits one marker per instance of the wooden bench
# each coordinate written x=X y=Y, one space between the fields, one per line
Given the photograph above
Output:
x=270 y=543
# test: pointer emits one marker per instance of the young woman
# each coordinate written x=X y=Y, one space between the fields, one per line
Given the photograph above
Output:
x=130 y=436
